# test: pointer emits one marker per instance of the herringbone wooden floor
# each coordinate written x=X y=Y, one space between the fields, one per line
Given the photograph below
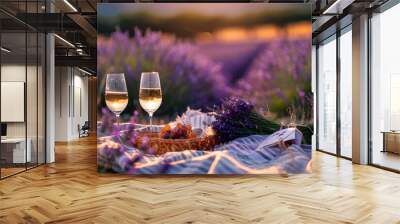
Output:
x=71 y=191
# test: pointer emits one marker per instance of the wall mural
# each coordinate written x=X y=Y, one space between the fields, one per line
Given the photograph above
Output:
x=204 y=88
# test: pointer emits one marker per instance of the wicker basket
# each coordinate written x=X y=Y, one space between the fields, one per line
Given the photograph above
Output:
x=161 y=146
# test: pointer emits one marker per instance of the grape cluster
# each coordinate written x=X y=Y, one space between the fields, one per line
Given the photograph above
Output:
x=179 y=132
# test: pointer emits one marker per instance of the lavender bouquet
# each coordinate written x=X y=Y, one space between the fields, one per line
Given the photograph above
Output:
x=236 y=118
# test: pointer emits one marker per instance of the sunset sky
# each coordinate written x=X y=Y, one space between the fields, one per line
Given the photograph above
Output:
x=169 y=9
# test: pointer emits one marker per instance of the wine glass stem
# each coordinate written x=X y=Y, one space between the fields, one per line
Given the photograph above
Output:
x=117 y=115
x=151 y=119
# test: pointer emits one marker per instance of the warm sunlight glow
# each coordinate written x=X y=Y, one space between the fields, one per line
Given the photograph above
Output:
x=258 y=33
x=232 y=34
x=267 y=32
x=299 y=30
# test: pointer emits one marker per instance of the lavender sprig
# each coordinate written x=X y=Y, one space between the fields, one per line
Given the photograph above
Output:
x=237 y=118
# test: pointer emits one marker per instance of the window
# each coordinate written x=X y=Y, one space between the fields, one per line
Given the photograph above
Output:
x=346 y=92
x=385 y=89
x=327 y=96
x=22 y=77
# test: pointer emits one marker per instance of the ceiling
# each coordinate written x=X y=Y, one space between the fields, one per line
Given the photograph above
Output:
x=332 y=15
x=75 y=22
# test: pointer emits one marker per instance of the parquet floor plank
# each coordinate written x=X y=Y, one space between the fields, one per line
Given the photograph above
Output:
x=71 y=191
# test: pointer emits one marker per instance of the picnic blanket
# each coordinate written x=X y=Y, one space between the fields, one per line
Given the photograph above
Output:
x=279 y=153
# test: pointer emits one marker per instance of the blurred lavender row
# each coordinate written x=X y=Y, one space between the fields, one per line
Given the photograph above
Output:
x=188 y=78
x=280 y=79
x=273 y=75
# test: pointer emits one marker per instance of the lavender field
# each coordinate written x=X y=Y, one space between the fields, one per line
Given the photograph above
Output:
x=237 y=74
x=274 y=74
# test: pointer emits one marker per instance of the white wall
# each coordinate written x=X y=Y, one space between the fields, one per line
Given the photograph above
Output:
x=61 y=105
x=71 y=102
x=81 y=94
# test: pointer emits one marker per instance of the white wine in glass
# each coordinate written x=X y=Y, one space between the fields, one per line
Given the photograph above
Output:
x=116 y=101
x=116 y=93
x=150 y=96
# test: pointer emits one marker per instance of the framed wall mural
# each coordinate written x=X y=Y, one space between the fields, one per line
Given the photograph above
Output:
x=204 y=88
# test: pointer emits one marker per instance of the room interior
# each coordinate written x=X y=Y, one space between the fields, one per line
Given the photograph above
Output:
x=335 y=76
x=22 y=101
x=385 y=88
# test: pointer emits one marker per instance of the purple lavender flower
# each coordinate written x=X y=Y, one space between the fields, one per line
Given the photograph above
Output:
x=107 y=121
x=301 y=93
x=108 y=154
x=237 y=118
x=279 y=77
x=182 y=68
x=126 y=161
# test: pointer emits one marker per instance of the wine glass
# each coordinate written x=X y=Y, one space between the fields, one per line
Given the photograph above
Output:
x=116 y=93
x=150 y=96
